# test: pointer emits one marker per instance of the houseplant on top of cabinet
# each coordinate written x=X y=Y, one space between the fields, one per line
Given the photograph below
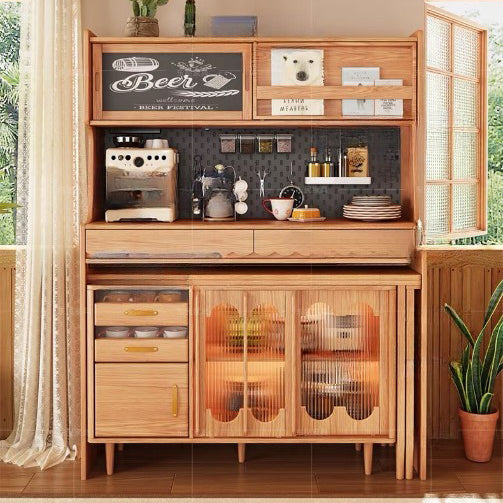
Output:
x=143 y=23
x=474 y=377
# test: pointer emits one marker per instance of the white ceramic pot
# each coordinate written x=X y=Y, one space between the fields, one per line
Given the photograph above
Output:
x=146 y=332
x=117 y=332
x=174 y=332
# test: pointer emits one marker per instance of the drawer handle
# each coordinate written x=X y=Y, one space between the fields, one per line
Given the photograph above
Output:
x=141 y=349
x=141 y=312
x=174 y=404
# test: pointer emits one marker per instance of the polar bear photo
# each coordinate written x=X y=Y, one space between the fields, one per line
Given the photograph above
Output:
x=297 y=67
x=303 y=68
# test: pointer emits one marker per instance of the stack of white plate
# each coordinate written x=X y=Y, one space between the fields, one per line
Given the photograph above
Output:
x=372 y=208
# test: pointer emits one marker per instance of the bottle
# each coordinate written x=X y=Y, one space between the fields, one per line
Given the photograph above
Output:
x=328 y=167
x=190 y=18
x=313 y=167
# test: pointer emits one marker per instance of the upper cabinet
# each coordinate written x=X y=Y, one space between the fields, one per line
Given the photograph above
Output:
x=336 y=80
x=238 y=81
x=171 y=81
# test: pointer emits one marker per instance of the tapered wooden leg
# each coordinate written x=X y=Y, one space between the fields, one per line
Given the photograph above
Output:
x=109 y=455
x=358 y=447
x=241 y=452
x=120 y=447
x=367 y=458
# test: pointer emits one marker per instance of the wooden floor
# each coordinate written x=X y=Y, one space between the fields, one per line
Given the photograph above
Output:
x=270 y=470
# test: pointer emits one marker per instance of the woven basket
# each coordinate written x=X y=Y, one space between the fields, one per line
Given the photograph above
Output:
x=141 y=26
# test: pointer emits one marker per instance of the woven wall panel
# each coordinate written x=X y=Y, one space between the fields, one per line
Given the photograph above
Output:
x=438 y=50
x=466 y=52
x=437 y=209
x=464 y=206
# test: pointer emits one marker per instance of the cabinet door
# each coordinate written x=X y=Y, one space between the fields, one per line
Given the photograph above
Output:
x=346 y=372
x=242 y=364
x=141 y=400
x=172 y=81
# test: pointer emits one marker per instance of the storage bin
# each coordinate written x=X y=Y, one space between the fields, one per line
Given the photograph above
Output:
x=234 y=26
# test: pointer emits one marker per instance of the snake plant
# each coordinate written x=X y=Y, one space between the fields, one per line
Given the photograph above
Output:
x=146 y=8
x=475 y=375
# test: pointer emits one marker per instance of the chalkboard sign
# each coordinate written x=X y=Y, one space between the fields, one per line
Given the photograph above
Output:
x=172 y=81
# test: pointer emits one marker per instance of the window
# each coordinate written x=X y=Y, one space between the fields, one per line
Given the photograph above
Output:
x=9 y=79
x=456 y=127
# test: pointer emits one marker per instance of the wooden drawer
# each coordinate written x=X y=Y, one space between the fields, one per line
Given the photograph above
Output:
x=379 y=245
x=141 y=314
x=141 y=350
x=168 y=244
x=141 y=400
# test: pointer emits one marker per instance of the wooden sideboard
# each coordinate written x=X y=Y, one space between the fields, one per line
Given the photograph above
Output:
x=295 y=332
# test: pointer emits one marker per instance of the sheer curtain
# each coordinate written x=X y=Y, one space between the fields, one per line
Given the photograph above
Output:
x=50 y=183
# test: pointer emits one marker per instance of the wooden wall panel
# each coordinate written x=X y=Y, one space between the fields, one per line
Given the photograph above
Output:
x=7 y=273
x=463 y=277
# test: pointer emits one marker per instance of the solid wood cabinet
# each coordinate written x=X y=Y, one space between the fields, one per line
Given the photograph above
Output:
x=141 y=400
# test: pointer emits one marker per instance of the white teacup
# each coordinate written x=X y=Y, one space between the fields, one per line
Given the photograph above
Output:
x=281 y=207
x=146 y=332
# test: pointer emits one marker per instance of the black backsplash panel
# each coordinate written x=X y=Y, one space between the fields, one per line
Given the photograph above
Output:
x=384 y=163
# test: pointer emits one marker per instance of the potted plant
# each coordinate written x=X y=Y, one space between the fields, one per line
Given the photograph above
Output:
x=474 y=377
x=143 y=23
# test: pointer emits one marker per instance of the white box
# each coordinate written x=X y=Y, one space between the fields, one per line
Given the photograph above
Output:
x=389 y=106
x=359 y=76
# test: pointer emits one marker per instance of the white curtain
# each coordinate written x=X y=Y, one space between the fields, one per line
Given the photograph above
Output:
x=50 y=191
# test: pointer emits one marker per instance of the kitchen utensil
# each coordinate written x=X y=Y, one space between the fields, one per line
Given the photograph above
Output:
x=117 y=332
x=218 y=193
x=157 y=143
x=128 y=141
x=241 y=207
x=261 y=176
x=174 y=332
x=293 y=191
x=281 y=208
x=168 y=296
x=117 y=296
x=146 y=332
x=240 y=186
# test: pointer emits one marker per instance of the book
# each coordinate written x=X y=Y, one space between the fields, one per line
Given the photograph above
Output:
x=389 y=106
x=359 y=76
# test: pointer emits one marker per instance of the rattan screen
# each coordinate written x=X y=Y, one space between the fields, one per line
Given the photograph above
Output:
x=455 y=129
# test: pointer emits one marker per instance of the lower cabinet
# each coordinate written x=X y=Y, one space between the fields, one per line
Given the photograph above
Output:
x=284 y=363
x=141 y=400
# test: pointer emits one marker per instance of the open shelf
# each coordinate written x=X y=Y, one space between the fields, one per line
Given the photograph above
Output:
x=337 y=180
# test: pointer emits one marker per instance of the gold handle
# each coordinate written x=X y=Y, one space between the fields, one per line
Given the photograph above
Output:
x=141 y=312
x=174 y=405
x=141 y=349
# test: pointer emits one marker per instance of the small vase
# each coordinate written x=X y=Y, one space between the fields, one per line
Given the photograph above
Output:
x=478 y=434
x=140 y=26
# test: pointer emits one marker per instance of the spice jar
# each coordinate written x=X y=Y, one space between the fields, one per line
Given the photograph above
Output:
x=247 y=143
x=283 y=143
x=228 y=143
x=265 y=143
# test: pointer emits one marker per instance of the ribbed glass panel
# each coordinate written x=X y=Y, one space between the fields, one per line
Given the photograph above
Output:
x=438 y=50
x=437 y=154
x=465 y=104
x=437 y=101
x=437 y=209
x=465 y=159
x=466 y=52
x=464 y=206
x=340 y=353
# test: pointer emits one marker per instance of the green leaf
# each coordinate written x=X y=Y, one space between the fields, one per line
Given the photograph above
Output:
x=465 y=358
x=471 y=399
x=496 y=360
x=460 y=323
x=485 y=403
x=477 y=368
x=493 y=302
x=491 y=358
x=457 y=378
x=500 y=368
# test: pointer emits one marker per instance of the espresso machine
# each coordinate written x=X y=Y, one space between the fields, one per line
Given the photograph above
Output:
x=141 y=184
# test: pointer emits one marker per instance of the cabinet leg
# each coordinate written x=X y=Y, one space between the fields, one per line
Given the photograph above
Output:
x=367 y=458
x=120 y=447
x=109 y=455
x=241 y=452
x=358 y=447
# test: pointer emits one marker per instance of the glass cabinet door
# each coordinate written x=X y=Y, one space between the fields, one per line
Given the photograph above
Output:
x=241 y=363
x=345 y=372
